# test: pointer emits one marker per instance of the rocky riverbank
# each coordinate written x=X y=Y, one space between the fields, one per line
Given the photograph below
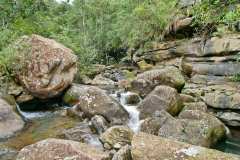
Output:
x=178 y=101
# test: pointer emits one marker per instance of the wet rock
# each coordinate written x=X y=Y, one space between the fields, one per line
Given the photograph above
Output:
x=7 y=154
x=10 y=121
x=116 y=137
x=161 y=98
x=130 y=98
x=146 y=147
x=47 y=67
x=51 y=149
x=99 y=123
x=94 y=101
x=123 y=154
x=170 y=76
x=229 y=118
x=82 y=133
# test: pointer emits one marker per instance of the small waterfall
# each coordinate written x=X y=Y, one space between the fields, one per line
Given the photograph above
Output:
x=134 y=122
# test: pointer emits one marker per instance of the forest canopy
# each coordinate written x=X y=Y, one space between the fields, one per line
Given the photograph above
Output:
x=101 y=31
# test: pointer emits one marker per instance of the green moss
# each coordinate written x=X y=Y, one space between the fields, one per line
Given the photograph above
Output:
x=70 y=98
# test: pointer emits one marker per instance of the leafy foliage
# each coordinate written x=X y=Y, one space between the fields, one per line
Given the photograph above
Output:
x=216 y=12
x=99 y=31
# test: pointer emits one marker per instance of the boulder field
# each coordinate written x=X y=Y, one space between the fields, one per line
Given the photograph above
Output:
x=181 y=93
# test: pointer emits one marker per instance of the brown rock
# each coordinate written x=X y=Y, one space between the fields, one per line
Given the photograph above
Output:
x=10 y=121
x=47 y=67
x=94 y=101
x=117 y=136
x=161 y=98
x=149 y=147
x=52 y=149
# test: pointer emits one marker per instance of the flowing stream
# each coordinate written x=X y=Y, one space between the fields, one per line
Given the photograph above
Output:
x=50 y=123
x=134 y=121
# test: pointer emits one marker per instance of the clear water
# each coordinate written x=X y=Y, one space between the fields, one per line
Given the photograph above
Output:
x=40 y=125
x=232 y=143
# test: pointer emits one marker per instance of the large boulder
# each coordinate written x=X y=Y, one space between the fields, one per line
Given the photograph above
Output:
x=146 y=147
x=192 y=123
x=95 y=101
x=43 y=66
x=161 y=98
x=169 y=75
x=187 y=128
x=10 y=121
x=223 y=100
x=52 y=149
x=116 y=137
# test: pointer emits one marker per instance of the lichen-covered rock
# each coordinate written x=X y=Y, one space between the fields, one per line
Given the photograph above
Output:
x=94 y=101
x=52 y=149
x=116 y=137
x=123 y=154
x=146 y=147
x=170 y=76
x=222 y=100
x=46 y=67
x=152 y=125
x=195 y=106
x=10 y=121
x=195 y=128
x=161 y=98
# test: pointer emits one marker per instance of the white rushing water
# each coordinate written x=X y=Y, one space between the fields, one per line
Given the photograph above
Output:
x=134 y=122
